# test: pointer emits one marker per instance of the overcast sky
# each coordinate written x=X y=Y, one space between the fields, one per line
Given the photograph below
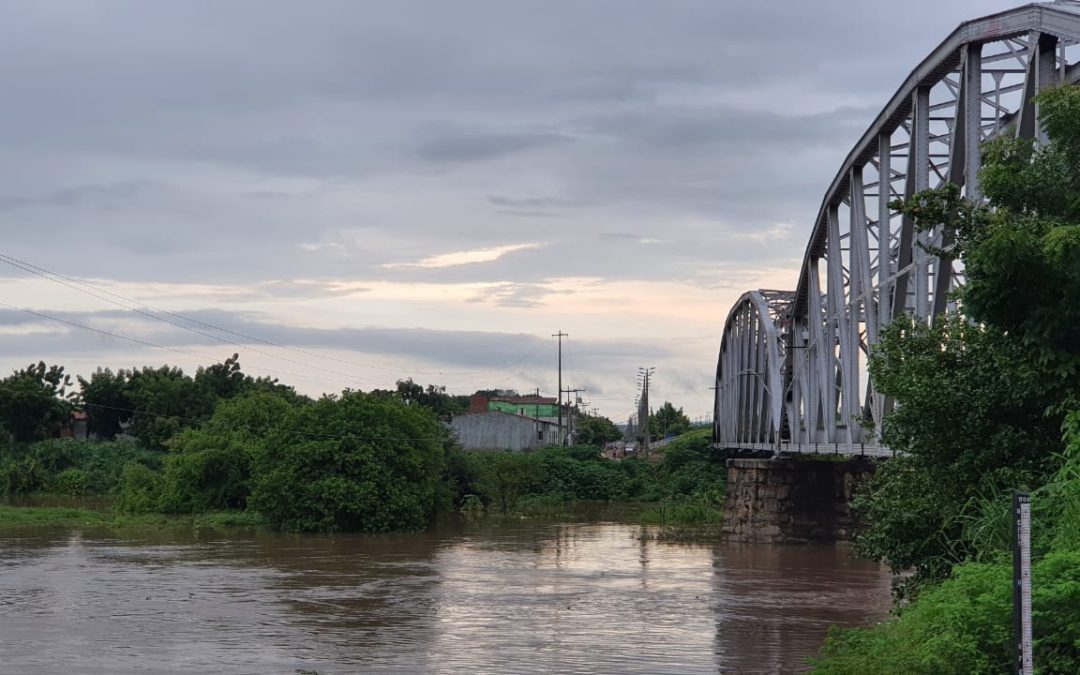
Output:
x=427 y=189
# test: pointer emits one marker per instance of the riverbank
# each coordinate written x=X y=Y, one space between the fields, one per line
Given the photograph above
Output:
x=67 y=516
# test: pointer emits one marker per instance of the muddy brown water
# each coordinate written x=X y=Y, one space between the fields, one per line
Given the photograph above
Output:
x=505 y=598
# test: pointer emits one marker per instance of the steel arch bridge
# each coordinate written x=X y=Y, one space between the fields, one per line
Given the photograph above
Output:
x=791 y=372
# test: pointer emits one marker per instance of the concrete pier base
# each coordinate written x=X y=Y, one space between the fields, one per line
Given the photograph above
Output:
x=792 y=500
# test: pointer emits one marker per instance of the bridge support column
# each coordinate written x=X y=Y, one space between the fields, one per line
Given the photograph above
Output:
x=792 y=500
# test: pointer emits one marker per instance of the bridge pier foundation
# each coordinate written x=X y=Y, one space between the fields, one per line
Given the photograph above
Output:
x=792 y=500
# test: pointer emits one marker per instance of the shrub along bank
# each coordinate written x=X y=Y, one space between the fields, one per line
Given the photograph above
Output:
x=687 y=485
x=354 y=462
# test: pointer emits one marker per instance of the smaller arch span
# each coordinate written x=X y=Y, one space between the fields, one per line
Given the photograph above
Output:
x=750 y=371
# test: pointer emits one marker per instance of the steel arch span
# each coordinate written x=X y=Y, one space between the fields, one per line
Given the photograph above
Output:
x=791 y=372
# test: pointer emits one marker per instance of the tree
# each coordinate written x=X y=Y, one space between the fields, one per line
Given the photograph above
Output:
x=210 y=467
x=980 y=403
x=668 y=421
x=433 y=397
x=166 y=401
x=105 y=398
x=596 y=430
x=358 y=462
x=34 y=402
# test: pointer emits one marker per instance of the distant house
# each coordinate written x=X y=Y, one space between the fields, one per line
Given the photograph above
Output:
x=498 y=430
x=76 y=426
x=541 y=407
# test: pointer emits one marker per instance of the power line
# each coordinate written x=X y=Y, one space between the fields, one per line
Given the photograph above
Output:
x=148 y=311
x=146 y=343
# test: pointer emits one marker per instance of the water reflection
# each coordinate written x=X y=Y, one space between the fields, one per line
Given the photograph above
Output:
x=512 y=598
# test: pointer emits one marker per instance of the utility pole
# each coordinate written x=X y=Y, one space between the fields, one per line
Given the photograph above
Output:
x=536 y=418
x=569 y=419
x=643 y=413
x=560 y=335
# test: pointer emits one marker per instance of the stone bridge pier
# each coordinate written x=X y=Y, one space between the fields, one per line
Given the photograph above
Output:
x=792 y=500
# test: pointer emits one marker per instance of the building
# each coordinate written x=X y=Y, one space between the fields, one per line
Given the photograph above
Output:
x=541 y=407
x=498 y=430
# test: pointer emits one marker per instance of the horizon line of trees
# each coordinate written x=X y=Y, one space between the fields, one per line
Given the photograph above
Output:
x=154 y=403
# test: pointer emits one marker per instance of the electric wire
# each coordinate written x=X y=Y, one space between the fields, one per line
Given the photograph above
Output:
x=148 y=311
x=147 y=343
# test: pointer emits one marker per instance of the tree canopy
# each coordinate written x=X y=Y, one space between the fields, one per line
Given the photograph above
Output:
x=981 y=399
x=668 y=421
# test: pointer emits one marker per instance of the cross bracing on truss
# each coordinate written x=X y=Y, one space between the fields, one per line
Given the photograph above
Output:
x=791 y=371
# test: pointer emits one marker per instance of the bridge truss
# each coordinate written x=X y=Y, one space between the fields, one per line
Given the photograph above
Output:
x=791 y=373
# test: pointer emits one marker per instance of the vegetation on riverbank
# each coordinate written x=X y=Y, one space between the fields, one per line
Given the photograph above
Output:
x=984 y=408
x=378 y=461
x=687 y=486
x=63 y=516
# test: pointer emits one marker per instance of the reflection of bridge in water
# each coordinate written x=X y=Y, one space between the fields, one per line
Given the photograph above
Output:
x=791 y=373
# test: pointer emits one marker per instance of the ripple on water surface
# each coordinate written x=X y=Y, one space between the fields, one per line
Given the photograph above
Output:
x=521 y=598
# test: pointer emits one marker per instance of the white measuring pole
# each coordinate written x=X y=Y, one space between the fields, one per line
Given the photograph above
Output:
x=1022 y=582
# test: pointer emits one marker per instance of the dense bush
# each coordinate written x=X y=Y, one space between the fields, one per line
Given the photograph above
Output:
x=964 y=625
x=687 y=473
x=210 y=467
x=690 y=468
x=70 y=467
x=359 y=462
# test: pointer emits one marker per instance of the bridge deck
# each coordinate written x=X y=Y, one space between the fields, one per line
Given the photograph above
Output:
x=845 y=449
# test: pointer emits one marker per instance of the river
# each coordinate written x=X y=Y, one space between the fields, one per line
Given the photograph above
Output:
x=500 y=598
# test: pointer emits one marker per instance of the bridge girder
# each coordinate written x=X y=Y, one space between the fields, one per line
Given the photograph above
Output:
x=866 y=265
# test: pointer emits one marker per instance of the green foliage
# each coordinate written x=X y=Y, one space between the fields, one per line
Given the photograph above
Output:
x=703 y=509
x=210 y=467
x=972 y=421
x=167 y=401
x=71 y=483
x=156 y=404
x=687 y=478
x=357 y=462
x=22 y=476
x=433 y=397
x=668 y=421
x=90 y=467
x=105 y=398
x=505 y=477
x=964 y=625
x=140 y=489
x=596 y=430
x=982 y=409
x=690 y=468
x=34 y=402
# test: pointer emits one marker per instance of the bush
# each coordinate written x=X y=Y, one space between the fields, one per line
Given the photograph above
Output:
x=689 y=467
x=359 y=462
x=140 y=489
x=71 y=482
x=210 y=467
x=38 y=467
x=964 y=625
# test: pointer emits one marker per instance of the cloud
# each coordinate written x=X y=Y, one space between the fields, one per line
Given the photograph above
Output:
x=778 y=232
x=481 y=145
x=205 y=165
x=479 y=255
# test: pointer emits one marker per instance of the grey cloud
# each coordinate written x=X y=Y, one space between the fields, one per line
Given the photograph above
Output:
x=514 y=295
x=475 y=146
x=478 y=122
x=471 y=349
x=102 y=196
x=534 y=202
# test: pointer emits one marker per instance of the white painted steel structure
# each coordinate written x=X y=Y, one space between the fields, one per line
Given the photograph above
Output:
x=791 y=373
